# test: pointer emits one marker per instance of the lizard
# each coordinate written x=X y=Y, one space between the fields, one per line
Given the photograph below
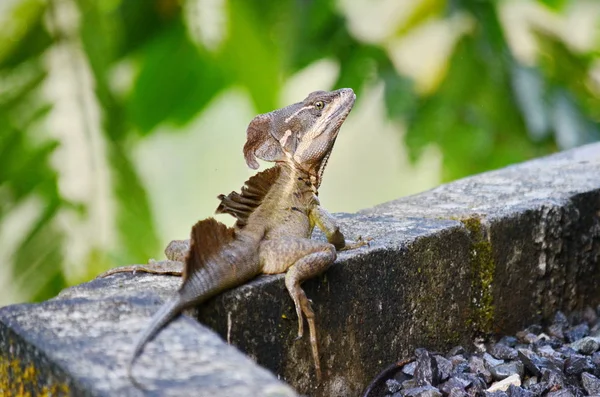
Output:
x=275 y=213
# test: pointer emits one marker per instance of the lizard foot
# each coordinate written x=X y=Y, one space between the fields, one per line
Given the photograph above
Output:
x=357 y=244
x=303 y=306
x=173 y=268
x=311 y=258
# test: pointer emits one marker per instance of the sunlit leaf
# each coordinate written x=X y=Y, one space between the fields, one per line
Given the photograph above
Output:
x=556 y=5
x=424 y=10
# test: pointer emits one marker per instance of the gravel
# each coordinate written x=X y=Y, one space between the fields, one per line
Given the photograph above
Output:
x=559 y=360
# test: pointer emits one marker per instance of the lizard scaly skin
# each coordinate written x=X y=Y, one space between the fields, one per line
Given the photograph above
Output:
x=276 y=212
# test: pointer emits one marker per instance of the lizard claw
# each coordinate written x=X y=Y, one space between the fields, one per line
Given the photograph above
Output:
x=366 y=240
x=300 y=327
x=360 y=242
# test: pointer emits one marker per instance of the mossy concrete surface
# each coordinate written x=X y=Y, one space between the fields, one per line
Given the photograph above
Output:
x=486 y=254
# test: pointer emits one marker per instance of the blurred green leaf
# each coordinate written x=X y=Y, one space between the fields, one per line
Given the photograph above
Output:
x=530 y=94
x=571 y=127
x=98 y=35
x=556 y=5
x=316 y=31
x=423 y=11
x=399 y=95
x=36 y=262
x=563 y=68
x=488 y=111
x=477 y=125
x=142 y=21
x=24 y=86
x=176 y=81
x=27 y=18
x=25 y=169
x=25 y=174
x=138 y=239
x=250 y=55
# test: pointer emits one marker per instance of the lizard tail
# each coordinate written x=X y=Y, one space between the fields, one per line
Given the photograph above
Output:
x=166 y=313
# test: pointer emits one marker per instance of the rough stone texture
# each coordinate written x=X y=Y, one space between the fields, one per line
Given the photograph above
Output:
x=490 y=253
x=80 y=342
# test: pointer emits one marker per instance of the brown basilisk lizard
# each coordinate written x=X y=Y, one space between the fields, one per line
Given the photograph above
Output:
x=276 y=212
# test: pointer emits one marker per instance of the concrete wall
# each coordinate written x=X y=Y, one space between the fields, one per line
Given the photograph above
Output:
x=486 y=254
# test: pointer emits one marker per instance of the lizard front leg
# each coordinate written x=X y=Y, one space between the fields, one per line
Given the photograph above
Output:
x=176 y=252
x=303 y=259
x=326 y=222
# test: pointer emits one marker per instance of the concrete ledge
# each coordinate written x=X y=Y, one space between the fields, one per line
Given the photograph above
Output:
x=486 y=254
x=79 y=343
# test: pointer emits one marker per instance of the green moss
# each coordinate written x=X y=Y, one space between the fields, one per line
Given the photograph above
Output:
x=22 y=380
x=432 y=326
x=483 y=268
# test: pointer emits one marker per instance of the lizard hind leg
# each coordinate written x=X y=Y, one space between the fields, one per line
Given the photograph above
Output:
x=302 y=305
x=315 y=257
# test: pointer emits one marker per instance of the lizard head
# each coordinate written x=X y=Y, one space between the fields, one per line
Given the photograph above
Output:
x=302 y=134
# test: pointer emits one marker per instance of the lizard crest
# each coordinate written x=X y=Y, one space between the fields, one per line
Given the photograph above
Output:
x=208 y=237
x=301 y=134
x=240 y=206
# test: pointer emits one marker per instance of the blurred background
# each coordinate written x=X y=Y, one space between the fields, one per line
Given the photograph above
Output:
x=122 y=120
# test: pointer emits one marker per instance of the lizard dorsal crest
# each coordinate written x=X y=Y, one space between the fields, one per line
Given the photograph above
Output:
x=207 y=239
x=260 y=141
x=254 y=191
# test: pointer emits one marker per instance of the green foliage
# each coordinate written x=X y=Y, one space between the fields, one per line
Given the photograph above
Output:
x=176 y=79
x=488 y=111
x=25 y=171
x=567 y=87
x=137 y=234
x=556 y=5
x=476 y=124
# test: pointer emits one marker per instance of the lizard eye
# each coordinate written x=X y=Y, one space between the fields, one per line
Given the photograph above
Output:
x=319 y=105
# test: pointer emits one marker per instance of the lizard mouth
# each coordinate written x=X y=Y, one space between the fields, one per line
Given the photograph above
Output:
x=347 y=98
x=335 y=121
